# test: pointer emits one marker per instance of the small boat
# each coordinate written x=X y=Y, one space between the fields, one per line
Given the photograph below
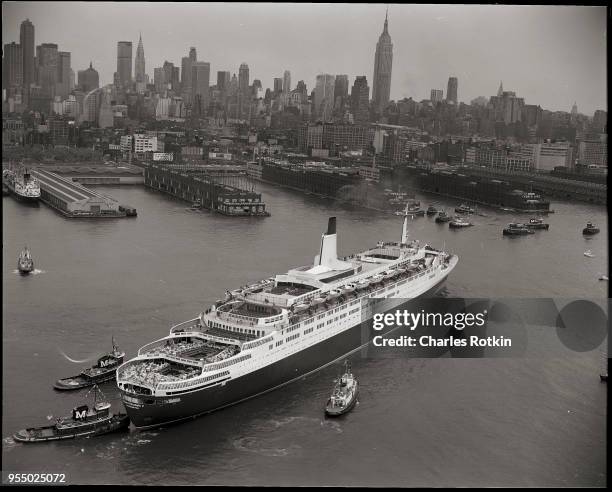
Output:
x=588 y=253
x=458 y=223
x=431 y=210
x=346 y=289
x=604 y=277
x=104 y=370
x=443 y=217
x=362 y=284
x=83 y=422
x=515 y=229
x=25 y=263
x=344 y=394
x=465 y=209
x=537 y=223
x=590 y=229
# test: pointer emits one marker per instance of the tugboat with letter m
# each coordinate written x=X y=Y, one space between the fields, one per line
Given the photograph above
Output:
x=103 y=371
x=590 y=229
x=83 y=422
x=344 y=395
x=25 y=263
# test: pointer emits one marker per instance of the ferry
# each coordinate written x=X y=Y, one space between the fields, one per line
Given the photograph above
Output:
x=20 y=183
x=275 y=331
x=103 y=371
x=25 y=263
x=465 y=209
x=515 y=229
x=83 y=422
x=344 y=394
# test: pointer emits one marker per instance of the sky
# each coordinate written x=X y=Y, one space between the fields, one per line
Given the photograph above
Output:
x=549 y=55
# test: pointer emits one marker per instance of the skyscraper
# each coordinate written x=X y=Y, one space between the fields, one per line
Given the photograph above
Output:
x=200 y=80
x=436 y=95
x=186 y=74
x=451 y=90
x=383 y=61
x=223 y=80
x=47 y=58
x=139 y=64
x=88 y=79
x=63 y=74
x=324 y=96
x=360 y=97
x=124 y=63
x=278 y=85
x=243 y=90
x=341 y=91
x=286 y=81
x=26 y=40
x=12 y=67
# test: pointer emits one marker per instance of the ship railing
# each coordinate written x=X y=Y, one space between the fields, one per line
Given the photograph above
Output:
x=256 y=343
x=191 y=323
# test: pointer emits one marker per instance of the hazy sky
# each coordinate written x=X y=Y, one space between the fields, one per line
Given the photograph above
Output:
x=550 y=55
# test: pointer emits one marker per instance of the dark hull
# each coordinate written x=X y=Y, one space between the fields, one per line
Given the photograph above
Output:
x=517 y=233
x=454 y=226
x=50 y=433
x=538 y=226
x=25 y=271
x=442 y=221
x=84 y=383
x=336 y=412
x=590 y=232
x=152 y=411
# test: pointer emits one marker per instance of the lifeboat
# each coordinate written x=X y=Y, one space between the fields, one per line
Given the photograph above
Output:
x=362 y=284
x=333 y=294
x=317 y=300
x=377 y=278
x=298 y=308
x=348 y=288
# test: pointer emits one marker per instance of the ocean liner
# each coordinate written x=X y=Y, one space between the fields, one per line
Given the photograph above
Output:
x=277 y=330
x=20 y=183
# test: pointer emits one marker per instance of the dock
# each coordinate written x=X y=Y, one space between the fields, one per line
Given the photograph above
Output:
x=73 y=200
x=205 y=191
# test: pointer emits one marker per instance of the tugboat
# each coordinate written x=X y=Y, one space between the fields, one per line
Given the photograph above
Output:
x=104 y=370
x=515 y=229
x=588 y=253
x=465 y=209
x=344 y=394
x=431 y=210
x=443 y=217
x=25 y=263
x=537 y=223
x=458 y=223
x=590 y=229
x=83 y=422
x=414 y=208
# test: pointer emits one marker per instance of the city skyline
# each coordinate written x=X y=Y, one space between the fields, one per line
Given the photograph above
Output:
x=517 y=51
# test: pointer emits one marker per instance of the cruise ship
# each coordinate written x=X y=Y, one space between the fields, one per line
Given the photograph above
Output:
x=277 y=330
x=20 y=183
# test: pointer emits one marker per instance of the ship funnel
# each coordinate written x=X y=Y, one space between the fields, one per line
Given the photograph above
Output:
x=328 y=254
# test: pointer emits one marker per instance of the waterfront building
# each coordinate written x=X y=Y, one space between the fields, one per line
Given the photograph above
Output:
x=451 y=90
x=383 y=62
x=600 y=120
x=360 y=95
x=26 y=41
x=593 y=151
x=124 y=63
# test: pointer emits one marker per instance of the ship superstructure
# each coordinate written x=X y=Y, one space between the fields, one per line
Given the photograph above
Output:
x=276 y=330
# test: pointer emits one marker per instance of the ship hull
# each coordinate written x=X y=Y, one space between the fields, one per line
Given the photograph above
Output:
x=153 y=411
x=30 y=200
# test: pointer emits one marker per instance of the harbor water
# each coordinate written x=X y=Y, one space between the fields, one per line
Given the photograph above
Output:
x=529 y=421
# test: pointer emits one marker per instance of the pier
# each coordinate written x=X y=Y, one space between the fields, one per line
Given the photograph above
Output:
x=198 y=188
x=73 y=200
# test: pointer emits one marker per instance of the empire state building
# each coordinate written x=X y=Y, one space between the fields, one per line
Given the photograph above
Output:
x=383 y=60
